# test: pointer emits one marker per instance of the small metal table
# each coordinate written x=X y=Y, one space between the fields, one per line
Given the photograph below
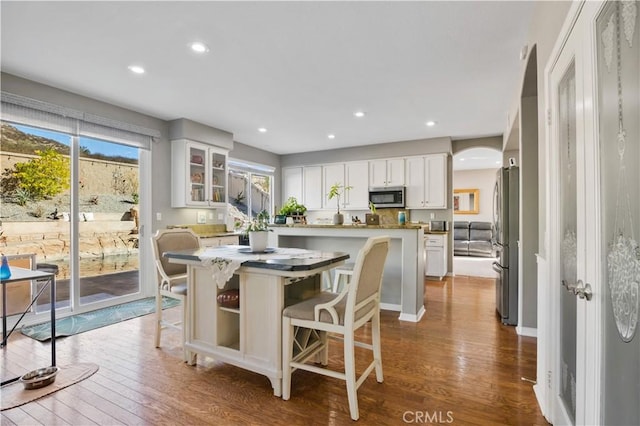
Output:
x=22 y=274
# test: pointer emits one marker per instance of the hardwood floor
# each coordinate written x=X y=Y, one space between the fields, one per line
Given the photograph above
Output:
x=459 y=365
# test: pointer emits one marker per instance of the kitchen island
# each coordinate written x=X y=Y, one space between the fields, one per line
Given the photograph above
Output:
x=248 y=335
x=403 y=278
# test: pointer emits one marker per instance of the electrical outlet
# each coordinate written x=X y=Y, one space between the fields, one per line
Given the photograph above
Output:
x=432 y=216
x=158 y=216
x=201 y=217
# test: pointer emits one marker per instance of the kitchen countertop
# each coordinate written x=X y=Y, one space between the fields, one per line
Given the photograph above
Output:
x=206 y=231
x=349 y=226
x=321 y=258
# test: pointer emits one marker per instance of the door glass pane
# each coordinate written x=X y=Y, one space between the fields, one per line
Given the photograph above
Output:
x=219 y=176
x=108 y=228
x=198 y=175
x=618 y=80
x=36 y=203
x=568 y=220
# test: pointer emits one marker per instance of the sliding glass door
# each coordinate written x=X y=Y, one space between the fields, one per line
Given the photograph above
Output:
x=73 y=201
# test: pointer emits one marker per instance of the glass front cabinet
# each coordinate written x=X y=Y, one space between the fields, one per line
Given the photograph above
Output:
x=198 y=174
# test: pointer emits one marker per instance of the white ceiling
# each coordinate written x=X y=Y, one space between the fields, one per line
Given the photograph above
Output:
x=300 y=69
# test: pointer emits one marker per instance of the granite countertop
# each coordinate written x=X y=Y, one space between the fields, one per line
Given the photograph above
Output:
x=206 y=231
x=349 y=226
x=293 y=264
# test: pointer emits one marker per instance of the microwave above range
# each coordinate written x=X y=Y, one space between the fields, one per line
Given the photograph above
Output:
x=390 y=196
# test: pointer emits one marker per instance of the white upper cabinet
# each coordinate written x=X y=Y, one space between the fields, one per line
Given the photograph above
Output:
x=198 y=174
x=386 y=172
x=292 y=183
x=312 y=184
x=426 y=182
x=357 y=176
x=332 y=174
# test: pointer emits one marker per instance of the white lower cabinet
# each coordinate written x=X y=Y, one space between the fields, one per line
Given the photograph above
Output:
x=435 y=255
x=225 y=240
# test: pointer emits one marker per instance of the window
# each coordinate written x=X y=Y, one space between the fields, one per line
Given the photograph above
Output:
x=250 y=187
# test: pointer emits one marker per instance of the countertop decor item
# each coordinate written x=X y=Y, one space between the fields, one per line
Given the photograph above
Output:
x=336 y=191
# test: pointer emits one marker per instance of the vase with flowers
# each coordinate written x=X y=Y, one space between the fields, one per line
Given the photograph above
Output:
x=257 y=230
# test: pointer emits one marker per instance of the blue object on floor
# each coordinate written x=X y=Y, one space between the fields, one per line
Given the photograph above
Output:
x=95 y=319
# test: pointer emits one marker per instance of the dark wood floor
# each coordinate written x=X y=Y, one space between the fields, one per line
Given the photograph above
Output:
x=458 y=362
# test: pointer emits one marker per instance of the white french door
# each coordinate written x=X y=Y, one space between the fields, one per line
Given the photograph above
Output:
x=593 y=92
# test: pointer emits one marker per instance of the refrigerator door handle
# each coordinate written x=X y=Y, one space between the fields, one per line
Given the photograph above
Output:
x=497 y=267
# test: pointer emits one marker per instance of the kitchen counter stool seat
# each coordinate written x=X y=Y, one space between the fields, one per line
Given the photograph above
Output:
x=172 y=277
x=305 y=325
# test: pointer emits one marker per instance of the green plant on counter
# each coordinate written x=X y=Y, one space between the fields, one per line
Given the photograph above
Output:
x=292 y=207
x=372 y=207
x=336 y=191
x=257 y=224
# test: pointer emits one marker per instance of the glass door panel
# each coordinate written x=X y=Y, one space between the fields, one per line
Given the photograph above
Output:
x=36 y=202
x=566 y=94
x=197 y=158
x=219 y=176
x=108 y=220
x=617 y=30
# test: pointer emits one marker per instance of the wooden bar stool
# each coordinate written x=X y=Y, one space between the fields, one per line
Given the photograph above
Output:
x=342 y=272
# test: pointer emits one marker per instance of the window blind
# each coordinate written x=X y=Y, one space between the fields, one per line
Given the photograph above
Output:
x=32 y=112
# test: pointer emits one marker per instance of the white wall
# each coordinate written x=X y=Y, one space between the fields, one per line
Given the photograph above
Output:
x=482 y=179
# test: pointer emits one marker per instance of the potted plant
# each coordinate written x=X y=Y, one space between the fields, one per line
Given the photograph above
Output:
x=336 y=191
x=257 y=229
x=372 y=218
x=293 y=208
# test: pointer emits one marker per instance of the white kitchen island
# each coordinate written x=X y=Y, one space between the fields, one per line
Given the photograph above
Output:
x=403 y=278
x=249 y=336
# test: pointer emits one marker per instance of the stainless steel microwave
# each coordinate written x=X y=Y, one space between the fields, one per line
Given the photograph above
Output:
x=391 y=196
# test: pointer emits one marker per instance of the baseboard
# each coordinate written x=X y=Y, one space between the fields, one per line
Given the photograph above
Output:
x=539 y=391
x=412 y=318
x=527 y=331
x=390 y=307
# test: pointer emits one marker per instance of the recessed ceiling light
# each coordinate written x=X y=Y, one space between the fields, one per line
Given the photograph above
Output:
x=359 y=114
x=137 y=69
x=199 y=47
x=331 y=136
x=262 y=129
x=430 y=123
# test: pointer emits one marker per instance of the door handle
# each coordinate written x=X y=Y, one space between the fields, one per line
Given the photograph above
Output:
x=580 y=289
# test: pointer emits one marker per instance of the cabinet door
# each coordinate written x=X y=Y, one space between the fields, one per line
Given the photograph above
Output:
x=415 y=179
x=312 y=181
x=333 y=173
x=378 y=173
x=292 y=183
x=433 y=266
x=357 y=176
x=395 y=172
x=435 y=182
x=218 y=174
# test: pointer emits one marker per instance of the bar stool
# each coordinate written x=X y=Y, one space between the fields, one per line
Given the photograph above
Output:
x=345 y=271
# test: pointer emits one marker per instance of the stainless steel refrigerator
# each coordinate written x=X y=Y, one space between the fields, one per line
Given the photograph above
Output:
x=506 y=235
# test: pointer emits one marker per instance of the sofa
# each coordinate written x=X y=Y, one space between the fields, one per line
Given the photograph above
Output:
x=473 y=239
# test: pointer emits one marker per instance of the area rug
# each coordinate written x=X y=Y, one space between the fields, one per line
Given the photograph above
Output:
x=14 y=395
x=95 y=319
